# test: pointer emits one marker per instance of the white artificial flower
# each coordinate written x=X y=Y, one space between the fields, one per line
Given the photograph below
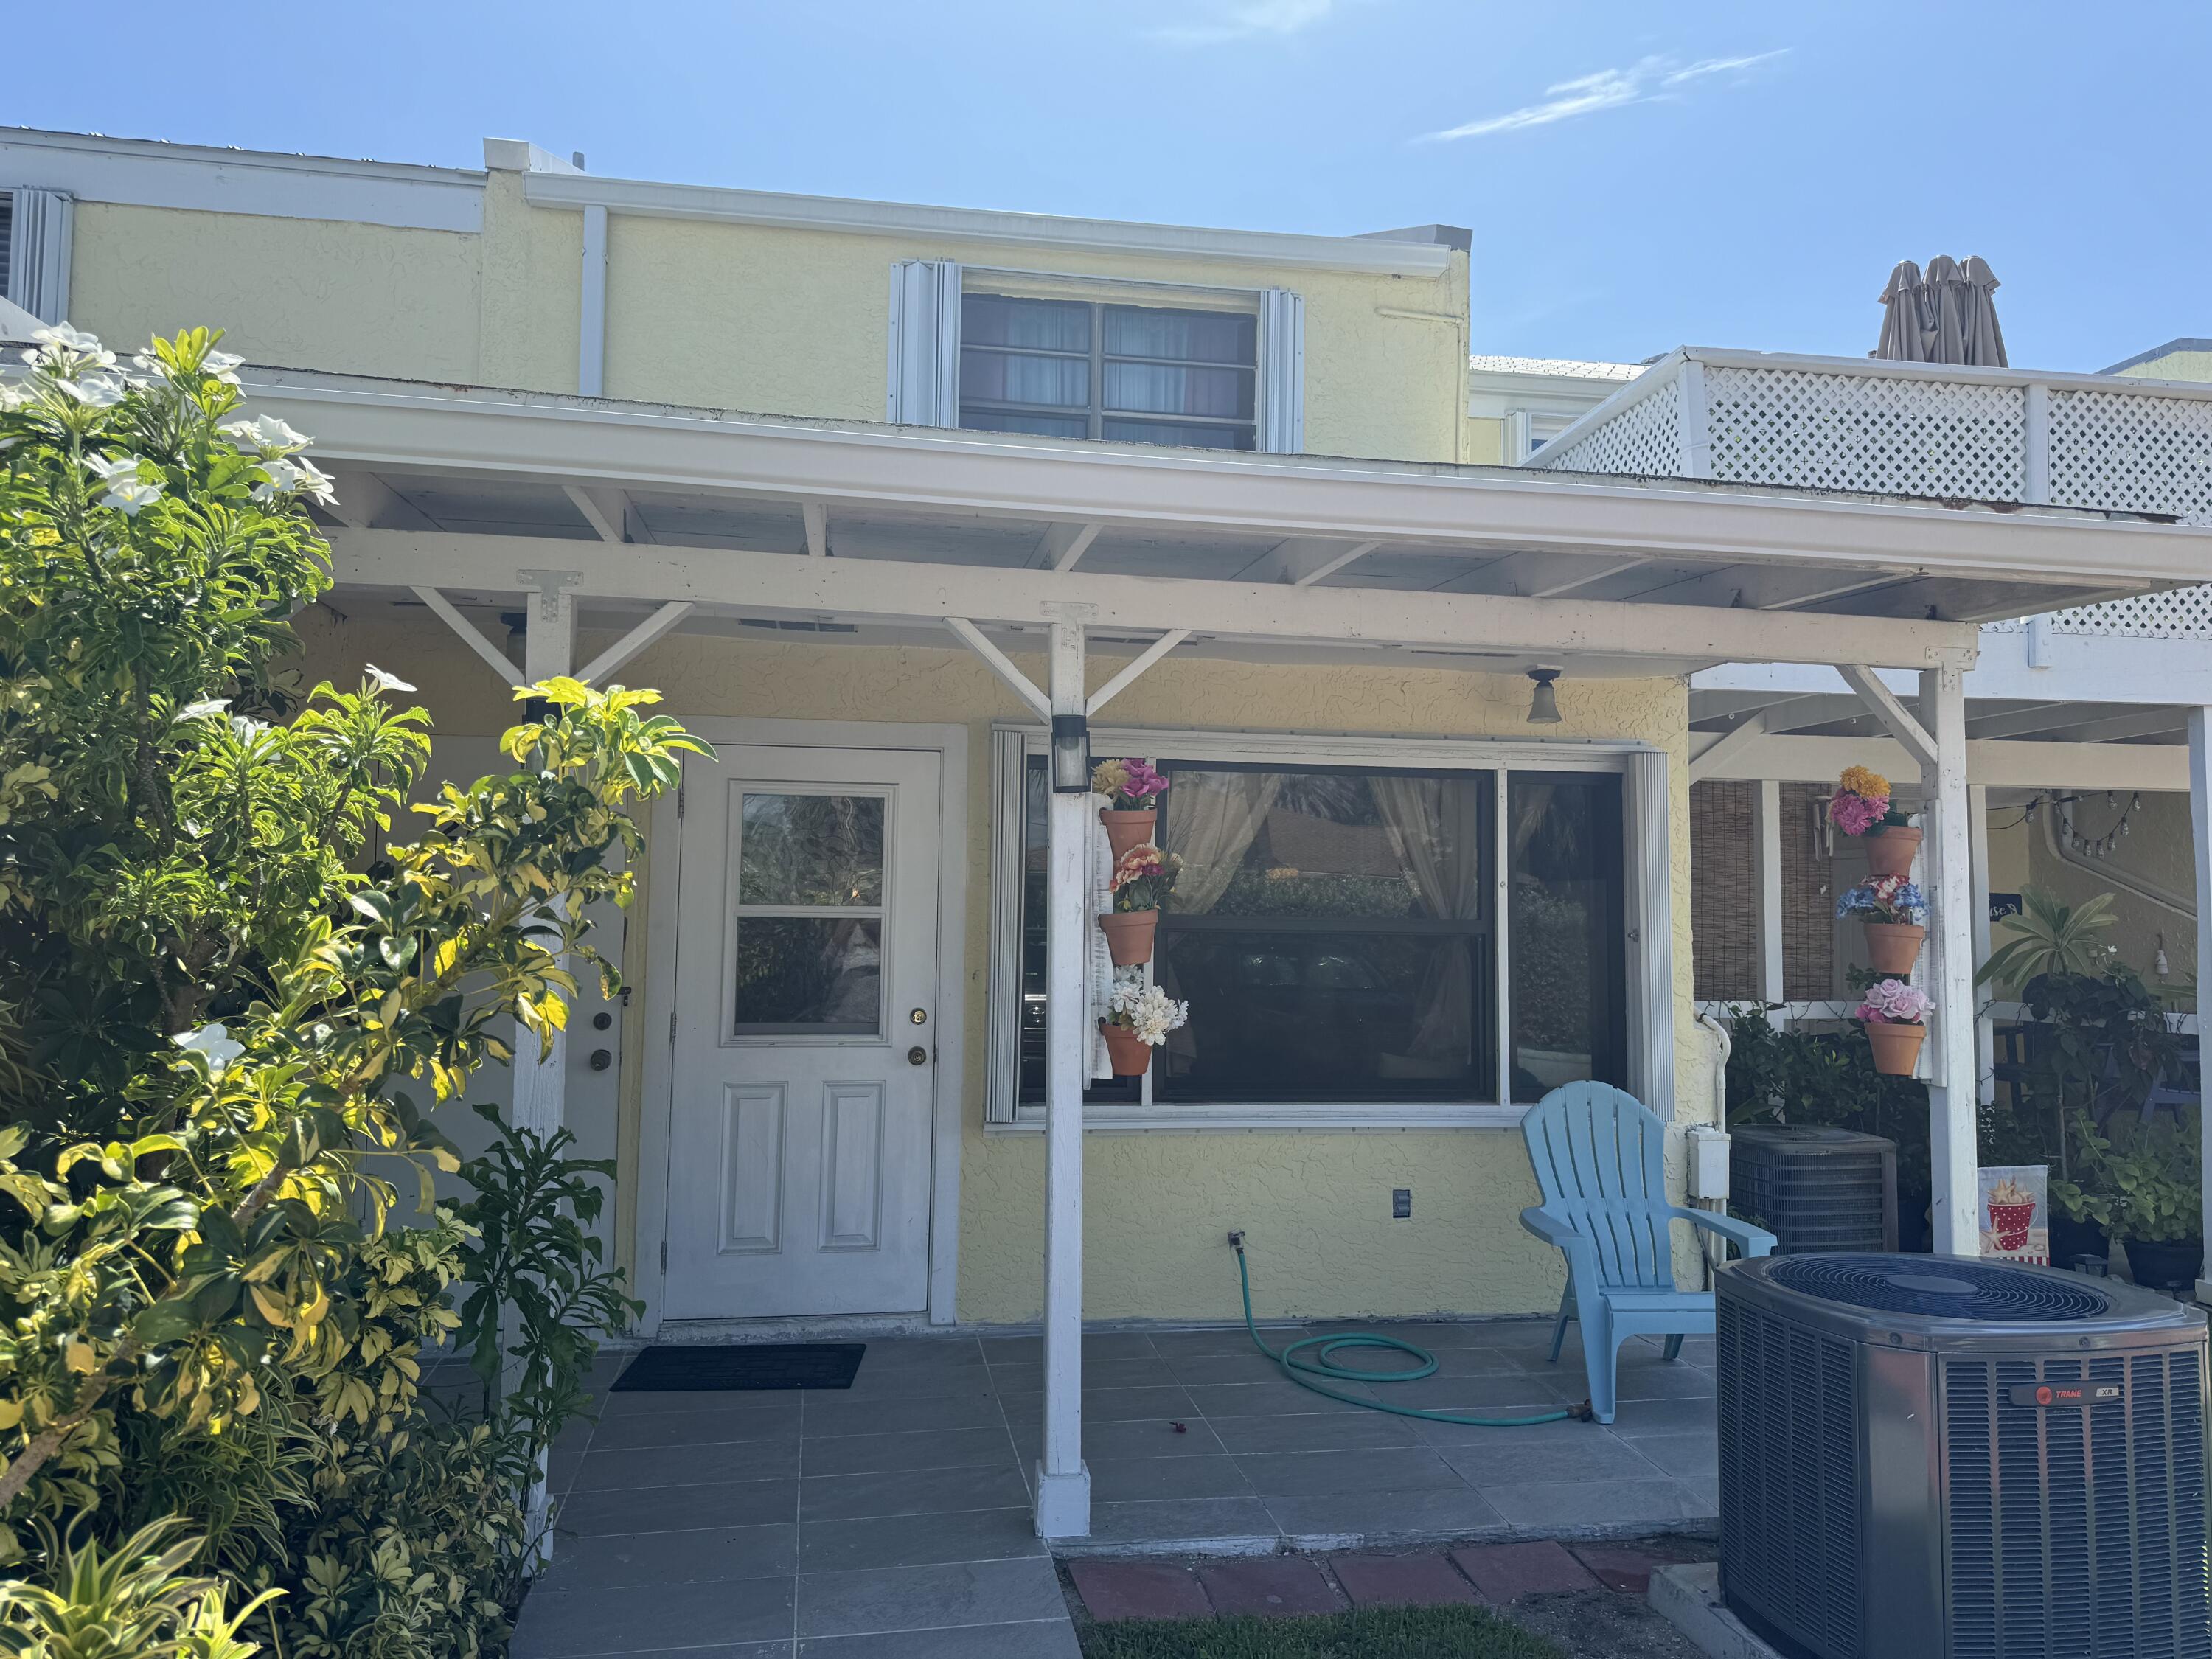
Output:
x=264 y=435
x=130 y=495
x=205 y=709
x=214 y=1042
x=383 y=682
x=1145 y=1010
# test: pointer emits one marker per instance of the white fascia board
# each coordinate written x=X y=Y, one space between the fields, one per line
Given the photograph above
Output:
x=941 y=225
x=1995 y=762
x=2093 y=668
x=143 y=173
x=898 y=589
x=1033 y=479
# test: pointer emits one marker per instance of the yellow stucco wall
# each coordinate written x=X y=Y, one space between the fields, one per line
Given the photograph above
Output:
x=299 y=292
x=2175 y=365
x=760 y=318
x=1315 y=1203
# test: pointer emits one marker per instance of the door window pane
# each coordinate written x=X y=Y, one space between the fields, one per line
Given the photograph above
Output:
x=1566 y=941
x=811 y=849
x=809 y=976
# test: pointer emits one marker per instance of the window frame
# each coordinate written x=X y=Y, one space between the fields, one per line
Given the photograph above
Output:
x=1649 y=1033
x=1096 y=414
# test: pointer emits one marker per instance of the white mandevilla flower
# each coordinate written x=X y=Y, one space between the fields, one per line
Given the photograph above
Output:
x=205 y=709
x=223 y=366
x=264 y=434
x=385 y=682
x=282 y=475
x=94 y=390
x=60 y=342
x=214 y=1042
x=317 y=485
x=247 y=727
x=131 y=495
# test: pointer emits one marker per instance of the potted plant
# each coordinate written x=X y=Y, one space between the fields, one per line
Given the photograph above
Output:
x=1137 y=1020
x=1896 y=913
x=1143 y=878
x=1861 y=807
x=1132 y=787
x=2144 y=1186
x=1895 y=1015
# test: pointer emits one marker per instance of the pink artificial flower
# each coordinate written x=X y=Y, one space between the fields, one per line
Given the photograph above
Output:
x=1855 y=814
x=1892 y=1001
x=1143 y=781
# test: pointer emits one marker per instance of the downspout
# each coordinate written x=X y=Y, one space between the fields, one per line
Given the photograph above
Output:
x=2141 y=889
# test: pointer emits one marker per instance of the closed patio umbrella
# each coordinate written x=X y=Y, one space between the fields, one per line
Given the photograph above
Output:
x=1948 y=301
x=1907 y=329
x=1983 y=339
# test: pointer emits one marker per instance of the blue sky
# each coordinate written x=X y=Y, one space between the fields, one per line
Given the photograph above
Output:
x=1637 y=175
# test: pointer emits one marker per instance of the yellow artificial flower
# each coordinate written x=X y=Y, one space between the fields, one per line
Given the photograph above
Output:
x=1864 y=782
x=1108 y=777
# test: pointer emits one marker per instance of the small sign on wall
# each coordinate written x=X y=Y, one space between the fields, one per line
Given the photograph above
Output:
x=2015 y=1201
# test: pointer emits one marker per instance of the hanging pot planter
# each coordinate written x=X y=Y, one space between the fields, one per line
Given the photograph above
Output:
x=1129 y=935
x=1127 y=829
x=1894 y=947
x=1896 y=1046
x=1129 y=1053
x=1890 y=853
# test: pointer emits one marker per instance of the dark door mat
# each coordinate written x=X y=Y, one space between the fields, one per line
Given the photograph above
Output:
x=728 y=1367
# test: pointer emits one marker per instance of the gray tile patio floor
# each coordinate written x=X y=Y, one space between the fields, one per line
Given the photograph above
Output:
x=892 y=1521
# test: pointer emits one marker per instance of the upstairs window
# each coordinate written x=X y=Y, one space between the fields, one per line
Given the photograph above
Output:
x=1076 y=369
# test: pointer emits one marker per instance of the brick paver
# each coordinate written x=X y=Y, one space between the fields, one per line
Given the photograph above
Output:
x=1406 y=1581
x=1628 y=1568
x=1505 y=1571
x=1138 y=1590
x=1272 y=1583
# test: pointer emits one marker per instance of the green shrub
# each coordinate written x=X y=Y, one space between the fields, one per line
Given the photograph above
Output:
x=212 y=1028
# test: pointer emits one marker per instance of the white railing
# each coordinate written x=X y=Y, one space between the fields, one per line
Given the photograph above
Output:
x=1929 y=431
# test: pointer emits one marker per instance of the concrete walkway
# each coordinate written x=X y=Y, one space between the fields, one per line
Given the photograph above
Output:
x=892 y=1521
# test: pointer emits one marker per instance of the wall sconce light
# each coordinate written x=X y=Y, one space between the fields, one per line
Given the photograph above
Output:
x=1071 y=755
x=1544 y=703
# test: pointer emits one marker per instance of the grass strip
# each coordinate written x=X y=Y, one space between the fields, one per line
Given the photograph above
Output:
x=1445 y=1632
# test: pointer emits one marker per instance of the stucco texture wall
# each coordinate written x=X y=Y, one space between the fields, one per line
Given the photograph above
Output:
x=1315 y=1203
x=2174 y=366
x=296 y=293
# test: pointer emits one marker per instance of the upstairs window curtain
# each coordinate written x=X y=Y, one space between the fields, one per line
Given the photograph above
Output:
x=35 y=231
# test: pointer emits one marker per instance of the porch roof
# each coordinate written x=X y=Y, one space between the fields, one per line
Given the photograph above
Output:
x=461 y=488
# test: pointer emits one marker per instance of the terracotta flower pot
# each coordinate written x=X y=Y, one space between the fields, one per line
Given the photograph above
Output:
x=1129 y=935
x=1129 y=1053
x=1127 y=830
x=1890 y=853
x=1894 y=947
x=1895 y=1046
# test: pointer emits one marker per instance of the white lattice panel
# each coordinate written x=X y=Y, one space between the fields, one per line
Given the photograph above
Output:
x=2132 y=453
x=1879 y=433
x=2181 y=613
x=1644 y=439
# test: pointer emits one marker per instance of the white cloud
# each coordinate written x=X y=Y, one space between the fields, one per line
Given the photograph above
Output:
x=1241 y=20
x=1642 y=81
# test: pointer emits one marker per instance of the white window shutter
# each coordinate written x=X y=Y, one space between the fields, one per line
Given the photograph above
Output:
x=1650 y=918
x=1282 y=372
x=38 y=254
x=922 y=387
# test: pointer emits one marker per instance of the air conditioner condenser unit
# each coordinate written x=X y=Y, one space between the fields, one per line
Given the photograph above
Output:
x=1935 y=1456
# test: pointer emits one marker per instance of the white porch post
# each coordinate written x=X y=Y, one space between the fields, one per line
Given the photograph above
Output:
x=1766 y=826
x=1952 y=1094
x=2200 y=863
x=1063 y=1486
x=1985 y=1030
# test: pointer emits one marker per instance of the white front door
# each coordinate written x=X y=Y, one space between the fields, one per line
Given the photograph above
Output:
x=799 y=1175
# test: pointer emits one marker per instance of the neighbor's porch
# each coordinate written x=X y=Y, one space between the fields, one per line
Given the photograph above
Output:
x=902 y=1510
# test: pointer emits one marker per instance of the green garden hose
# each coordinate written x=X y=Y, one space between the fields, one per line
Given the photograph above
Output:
x=1303 y=1372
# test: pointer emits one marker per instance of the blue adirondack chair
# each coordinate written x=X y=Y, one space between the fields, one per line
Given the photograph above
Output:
x=1597 y=1153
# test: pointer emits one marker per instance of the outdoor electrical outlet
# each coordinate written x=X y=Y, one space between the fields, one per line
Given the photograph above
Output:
x=1401 y=1203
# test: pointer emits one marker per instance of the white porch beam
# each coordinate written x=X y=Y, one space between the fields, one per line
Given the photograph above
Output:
x=660 y=622
x=2154 y=722
x=1740 y=736
x=1896 y=719
x=2035 y=719
x=1063 y=1480
x=1977 y=850
x=471 y=635
x=1766 y=826
x=1136 y=665
x=1062 y=545
x=1952 y=1092
x=817 y=515
x=1000 y=664
x=2200 y=863
x=1304 y=560
x=1801 y=713
x=604 y=509
x=2009 y=765
x=884 y=588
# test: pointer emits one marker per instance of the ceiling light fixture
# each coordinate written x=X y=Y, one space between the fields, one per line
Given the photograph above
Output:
x=1544 y=704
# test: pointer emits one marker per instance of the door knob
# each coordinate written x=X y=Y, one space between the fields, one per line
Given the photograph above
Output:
x=917 y=1056
x=919 y=1016
x=601 y=1058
